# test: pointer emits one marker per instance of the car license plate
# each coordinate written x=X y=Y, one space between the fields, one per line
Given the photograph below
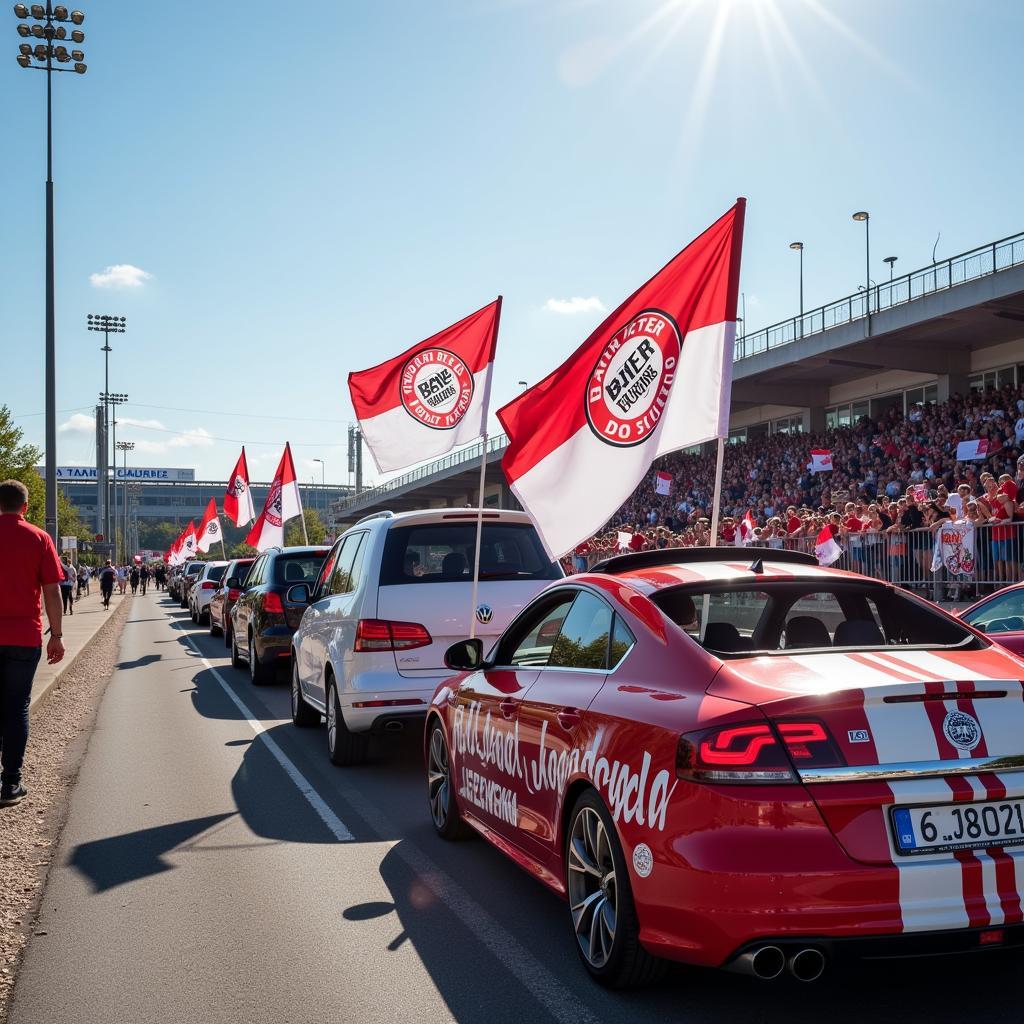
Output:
x=963 y=826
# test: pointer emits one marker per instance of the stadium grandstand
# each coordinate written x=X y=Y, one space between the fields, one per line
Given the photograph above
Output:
x=888 y=380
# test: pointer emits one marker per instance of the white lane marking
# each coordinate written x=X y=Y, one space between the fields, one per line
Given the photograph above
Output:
x=335 y=825
x=560 y=1003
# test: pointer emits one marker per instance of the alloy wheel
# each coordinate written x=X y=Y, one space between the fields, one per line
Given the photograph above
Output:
x=593 y=892
x=438 y=779
x=332 y=719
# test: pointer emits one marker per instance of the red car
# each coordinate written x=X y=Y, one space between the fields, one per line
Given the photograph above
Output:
x=1000 y=616
x=734 y=757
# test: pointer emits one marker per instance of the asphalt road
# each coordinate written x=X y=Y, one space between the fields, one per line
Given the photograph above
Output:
x=216 y=867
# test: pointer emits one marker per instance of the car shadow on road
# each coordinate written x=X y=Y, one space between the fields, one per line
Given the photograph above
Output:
x=107 y=863
x=141 y=662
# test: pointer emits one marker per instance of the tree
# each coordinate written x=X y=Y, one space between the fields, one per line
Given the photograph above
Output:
x=18 y=461
x=315 y=529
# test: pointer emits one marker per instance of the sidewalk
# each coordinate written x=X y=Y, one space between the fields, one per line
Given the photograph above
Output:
x=78 y=630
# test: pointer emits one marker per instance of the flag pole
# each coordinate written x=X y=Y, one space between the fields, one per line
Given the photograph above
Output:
x=298 y=494
x=716 y=498
x=483 y=475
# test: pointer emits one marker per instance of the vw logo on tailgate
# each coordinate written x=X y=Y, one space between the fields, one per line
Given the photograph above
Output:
x=484 y=613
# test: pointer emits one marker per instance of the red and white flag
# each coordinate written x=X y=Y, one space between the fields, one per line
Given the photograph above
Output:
x=283 y=503
x=187 y=547
x=209 y=529
x=968 y=451
x=238 y=498
x=432 y=397
x=821 y=461
x=662 y=483
x=826 y=548
x=653 y=378
x=746 y=530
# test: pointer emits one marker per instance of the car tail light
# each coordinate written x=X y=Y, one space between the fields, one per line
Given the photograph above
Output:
x=381 y=635
x=756 y=752
x=234 y=594
x=272 y=603
x=208 y=585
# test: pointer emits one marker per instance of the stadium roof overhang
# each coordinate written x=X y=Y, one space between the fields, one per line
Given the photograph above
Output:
x=933 y=334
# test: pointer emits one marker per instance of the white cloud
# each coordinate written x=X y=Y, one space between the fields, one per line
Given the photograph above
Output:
x=577 y=304
x=130 y=421
x=78 y=423
x=197 y=437
x=120 y=275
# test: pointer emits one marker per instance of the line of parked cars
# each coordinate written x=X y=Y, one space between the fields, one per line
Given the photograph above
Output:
x=731 y=757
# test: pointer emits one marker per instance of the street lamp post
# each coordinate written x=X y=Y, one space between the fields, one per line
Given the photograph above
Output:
x=49 y=25
x=799 y=247
x=108 y=325
x=891 y=260
x=126 y=447
x=863 y=215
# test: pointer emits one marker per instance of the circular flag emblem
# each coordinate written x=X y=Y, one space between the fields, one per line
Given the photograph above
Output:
x=630 y=385
x=436 y=388
x=274 y=510
x=238 y=487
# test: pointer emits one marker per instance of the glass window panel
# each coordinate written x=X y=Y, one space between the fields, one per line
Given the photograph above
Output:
x=583 y=639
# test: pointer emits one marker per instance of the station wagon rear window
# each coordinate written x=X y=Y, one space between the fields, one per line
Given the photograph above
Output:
x=443 y=553
x=780 y=617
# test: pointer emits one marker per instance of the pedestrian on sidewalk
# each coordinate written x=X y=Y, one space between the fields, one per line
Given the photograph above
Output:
x=67 y=587
x=122 y=579
x=31 y=569
x=107 y=578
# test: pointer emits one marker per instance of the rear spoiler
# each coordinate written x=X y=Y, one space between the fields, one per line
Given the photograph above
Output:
x=683 y=556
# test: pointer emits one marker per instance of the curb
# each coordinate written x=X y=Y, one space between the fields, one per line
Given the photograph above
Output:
x=39 y=697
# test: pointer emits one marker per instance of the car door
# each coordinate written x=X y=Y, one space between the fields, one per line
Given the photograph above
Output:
x=330 y=630
x=491 y=776
x=242 y=611
x=1001 y=618
x=551 y=714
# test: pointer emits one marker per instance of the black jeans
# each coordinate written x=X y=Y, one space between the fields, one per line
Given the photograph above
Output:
x=17 y=667
x=67 y=595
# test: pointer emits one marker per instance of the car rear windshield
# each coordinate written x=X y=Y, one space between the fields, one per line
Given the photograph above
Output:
x=292 y=569
x=808 y=616
x=216 y=572
x=444 y=552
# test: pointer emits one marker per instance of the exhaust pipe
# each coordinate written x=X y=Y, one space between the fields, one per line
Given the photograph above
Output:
x=765 y=962
x=393 y=726
x=807 y=964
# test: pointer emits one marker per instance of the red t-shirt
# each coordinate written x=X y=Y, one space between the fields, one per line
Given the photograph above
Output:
x=29 y=562
x=637 y=542
x=853 y=524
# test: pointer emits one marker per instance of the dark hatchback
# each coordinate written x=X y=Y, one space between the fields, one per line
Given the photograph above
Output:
x=262 y=619
x=232 y=583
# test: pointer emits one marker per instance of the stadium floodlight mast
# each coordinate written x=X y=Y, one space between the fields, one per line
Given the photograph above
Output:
x=863 y=215
x=799 y=247
x=108 y=325
x=126 y=447
x=112 y=398
x=48 y=25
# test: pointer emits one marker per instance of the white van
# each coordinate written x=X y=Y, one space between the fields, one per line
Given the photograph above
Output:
x=393 y=594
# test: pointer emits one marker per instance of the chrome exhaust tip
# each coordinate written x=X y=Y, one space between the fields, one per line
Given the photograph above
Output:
x=807 y=964
x=393 y=727
x=765 y=962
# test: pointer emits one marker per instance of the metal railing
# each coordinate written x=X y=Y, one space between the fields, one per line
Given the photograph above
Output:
x=906 y=557
x=471 y=454
x=981 y=262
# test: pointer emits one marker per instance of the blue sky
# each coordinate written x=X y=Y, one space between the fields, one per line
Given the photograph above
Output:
x=307 y=196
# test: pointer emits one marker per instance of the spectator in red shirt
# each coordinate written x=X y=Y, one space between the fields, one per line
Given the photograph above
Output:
x=31 y=567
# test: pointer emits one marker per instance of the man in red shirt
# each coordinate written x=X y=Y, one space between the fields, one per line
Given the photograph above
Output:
x=31 y=568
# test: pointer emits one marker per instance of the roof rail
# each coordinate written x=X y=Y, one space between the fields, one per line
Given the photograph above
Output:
x=386 y=514
x=680 y=556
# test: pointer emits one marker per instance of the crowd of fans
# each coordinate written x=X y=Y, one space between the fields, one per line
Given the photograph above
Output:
x=890 y=476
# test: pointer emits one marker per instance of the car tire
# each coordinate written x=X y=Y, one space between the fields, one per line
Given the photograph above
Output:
x=259 y=673
x=610 y=947
x=444 y=811
x=304 y=715
x=236 y=659
x=215 y=629
x=183 y=603
x=228 y=633
x=344 y=748
x=202 y=618
x=193 y=615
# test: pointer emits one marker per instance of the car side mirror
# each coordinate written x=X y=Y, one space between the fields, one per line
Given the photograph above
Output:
x=233 y=583
x=298 y=594
x=465 y=656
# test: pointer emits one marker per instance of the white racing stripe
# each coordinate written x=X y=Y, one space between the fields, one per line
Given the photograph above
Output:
x=334 y=824
x=562 y=1004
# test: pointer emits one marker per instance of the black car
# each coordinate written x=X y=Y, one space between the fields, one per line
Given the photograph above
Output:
x=262 y=619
